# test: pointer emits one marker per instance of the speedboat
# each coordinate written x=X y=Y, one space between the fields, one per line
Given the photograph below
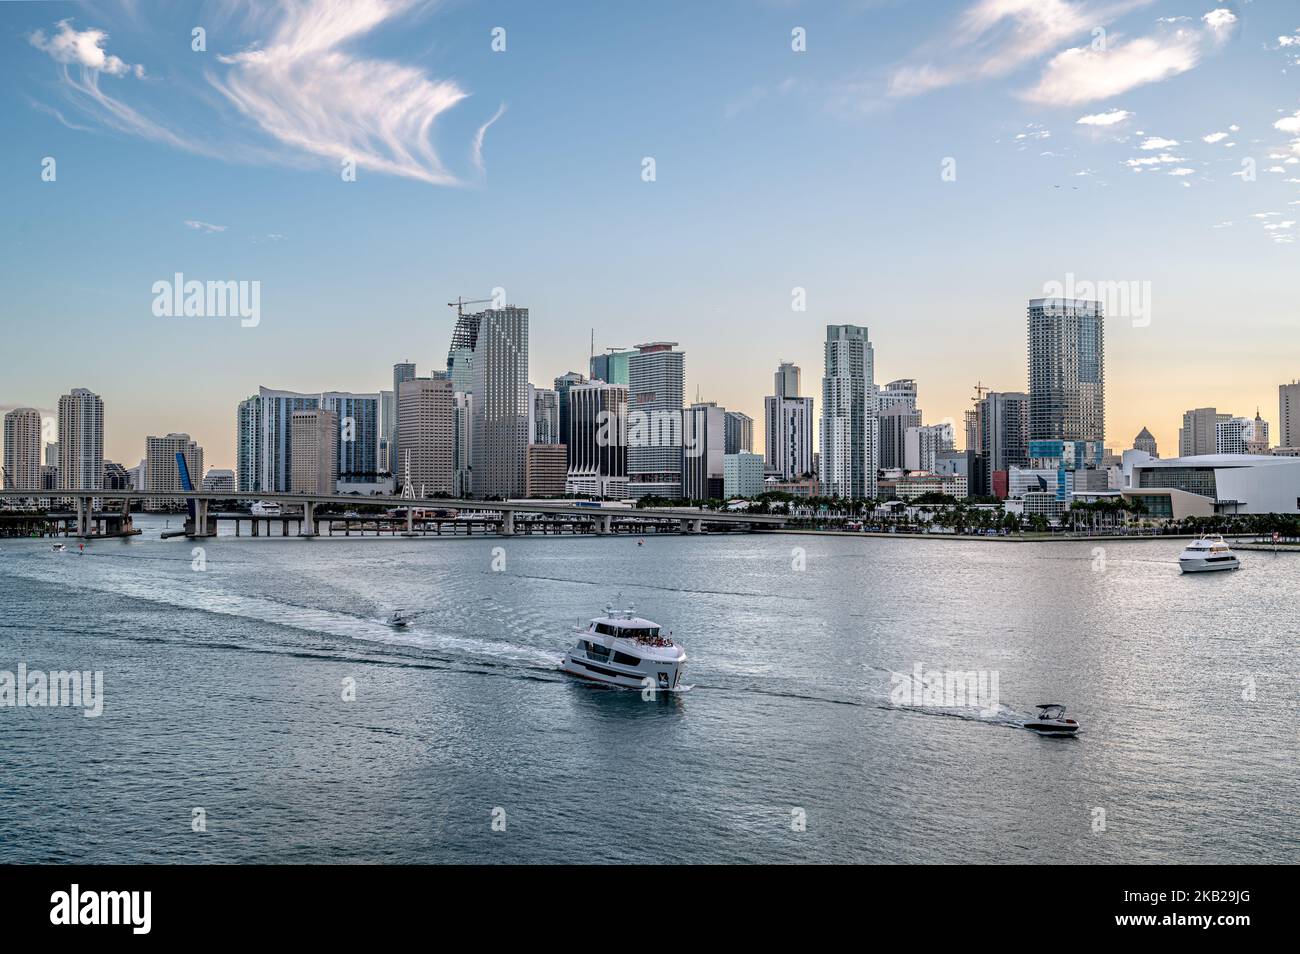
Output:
x=401 y=618
x=620 y=649
x=60 y=548
x=1210 y=552
x=1051 y=720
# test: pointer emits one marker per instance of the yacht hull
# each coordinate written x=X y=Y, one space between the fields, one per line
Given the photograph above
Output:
x=1204 y=566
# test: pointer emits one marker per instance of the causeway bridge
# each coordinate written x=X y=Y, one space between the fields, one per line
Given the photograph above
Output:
x=308 y=511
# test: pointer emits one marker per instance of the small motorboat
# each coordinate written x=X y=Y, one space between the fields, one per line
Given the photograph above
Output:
x=621 y=649
x=1211 y=552
x=1051 y=720
x=60 y=548
x=401 y=618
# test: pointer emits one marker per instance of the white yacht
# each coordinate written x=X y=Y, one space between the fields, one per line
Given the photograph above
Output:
x=1206 y=554
x=620 y=649
x=266 y=508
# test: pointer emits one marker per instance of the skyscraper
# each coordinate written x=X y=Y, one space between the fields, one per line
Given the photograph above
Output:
x=402 y=371
x=562 y=385
x=704 y=428
x=248 y=445
x=786 y=380
x=1288 y=413
x=1145 y=442
x=850 y=430
x=922 y=446
x=428 y=439
x=788 y=426
x=1003 y=418
x=596 y=440
x=656 y=387
x=1067 y=372
x=1199 y=433
x=315 y=440
x=460 y=356
x=163 y=475
x=544 y=416
x=22 y=449
x=610 y=368
x=358 y=418
x=740 y=432
x=500 y=403
x=900 y=393
x=81 y=441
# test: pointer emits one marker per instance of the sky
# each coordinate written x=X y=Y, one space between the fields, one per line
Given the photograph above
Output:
x=920 y=168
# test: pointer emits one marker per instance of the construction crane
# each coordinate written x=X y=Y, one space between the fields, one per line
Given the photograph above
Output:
x=460 y=303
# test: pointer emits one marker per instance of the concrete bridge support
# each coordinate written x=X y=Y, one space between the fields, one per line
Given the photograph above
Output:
x=508 y=523
x=308 y=526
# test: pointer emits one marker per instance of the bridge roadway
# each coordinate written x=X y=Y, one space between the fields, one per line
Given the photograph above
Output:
x=691 y=520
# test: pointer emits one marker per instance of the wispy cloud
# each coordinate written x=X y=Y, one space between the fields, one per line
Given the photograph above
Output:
x=302 y=86
x=307 y=90
x=994 y=38
x=1091 y=73
x=206 y=228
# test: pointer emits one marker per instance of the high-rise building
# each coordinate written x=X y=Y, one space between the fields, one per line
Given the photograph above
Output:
x=248 y=445
x=788 y=426
x=1232 y=436
x=387 y=428
x=460 y=356
x=1067 y=370
x=403 y=371
x=163 y=474
x=544 y=416
x=562 y=385
x=276 y=426
x=81 y=441
x=894 y=424
x=1257 y=439
x=923 y=445
x=22 y=450
x=315 y=451
x=900 y=393
x=789 y=443
x=610 y=368
x=656 y=388
x=1145 y=442
x=785 y=382
x=462 y=446
x=358 y=442
x=427 y=436
x=597 y=441
x=1003 y=418
x=704 y=443
x=850 y=429
x=740 y=433
x=500 y=402
x=1199 y=433
x=742 y=475
x=1288 y=414
x=545 y=470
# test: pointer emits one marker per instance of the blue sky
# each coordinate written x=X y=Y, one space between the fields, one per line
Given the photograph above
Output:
x=775 y=169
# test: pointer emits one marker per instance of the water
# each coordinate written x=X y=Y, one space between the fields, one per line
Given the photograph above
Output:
x=223 y=691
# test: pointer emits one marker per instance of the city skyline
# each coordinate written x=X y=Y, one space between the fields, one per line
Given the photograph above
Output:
x=1144 y=171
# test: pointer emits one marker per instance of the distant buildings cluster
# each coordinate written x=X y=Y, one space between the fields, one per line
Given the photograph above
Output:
x=624 y=430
